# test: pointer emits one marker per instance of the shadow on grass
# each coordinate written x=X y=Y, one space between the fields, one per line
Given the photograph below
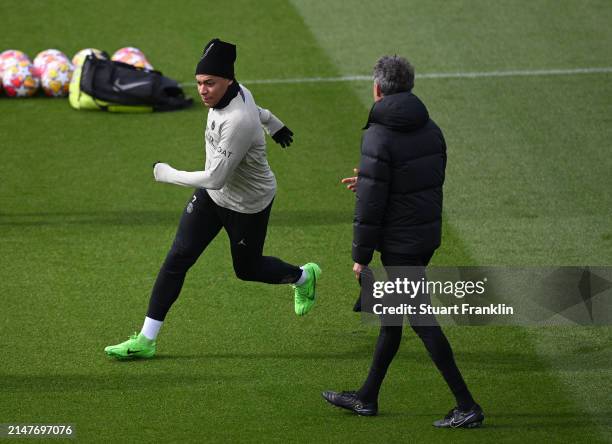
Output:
x=410 y=353
x=535 y=420
x=493 y=421
x=488 y=361
x=142 y=217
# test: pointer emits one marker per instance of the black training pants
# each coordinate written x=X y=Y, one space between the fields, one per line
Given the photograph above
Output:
x=431 y=335
x=200 y=223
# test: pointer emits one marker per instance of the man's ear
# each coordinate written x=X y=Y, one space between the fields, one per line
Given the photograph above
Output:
x=377 y=92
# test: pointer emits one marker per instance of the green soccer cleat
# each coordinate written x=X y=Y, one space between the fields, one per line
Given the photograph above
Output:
x=138 y=346
x=305 y=293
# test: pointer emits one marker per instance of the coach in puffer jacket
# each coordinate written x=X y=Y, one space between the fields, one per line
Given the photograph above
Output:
x=399 y=191
x=399 y=212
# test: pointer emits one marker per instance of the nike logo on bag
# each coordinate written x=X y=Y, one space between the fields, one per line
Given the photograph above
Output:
x=125 y=86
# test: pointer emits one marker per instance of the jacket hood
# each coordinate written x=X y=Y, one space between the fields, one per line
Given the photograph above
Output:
x=400 y=112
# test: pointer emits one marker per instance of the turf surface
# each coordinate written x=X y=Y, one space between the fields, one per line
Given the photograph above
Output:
x=83 y=227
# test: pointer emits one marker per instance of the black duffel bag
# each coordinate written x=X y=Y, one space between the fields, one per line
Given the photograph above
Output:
x=118 y=87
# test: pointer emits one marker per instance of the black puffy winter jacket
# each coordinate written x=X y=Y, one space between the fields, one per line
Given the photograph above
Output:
x=399 y=186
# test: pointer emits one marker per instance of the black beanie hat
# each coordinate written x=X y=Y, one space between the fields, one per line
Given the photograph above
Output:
x=217 y=59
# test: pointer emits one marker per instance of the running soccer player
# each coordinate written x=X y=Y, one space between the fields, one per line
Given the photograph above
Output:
x=235 y=192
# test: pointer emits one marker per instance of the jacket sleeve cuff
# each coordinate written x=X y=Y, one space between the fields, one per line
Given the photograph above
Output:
x=362 y=255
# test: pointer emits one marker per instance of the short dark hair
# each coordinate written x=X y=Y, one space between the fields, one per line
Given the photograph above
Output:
x=393 y=74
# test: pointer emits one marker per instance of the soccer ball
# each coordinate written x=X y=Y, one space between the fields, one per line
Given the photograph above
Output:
x=44 y=58
x=131 y=56
x=56 y=78
x=19 y=80
x=79 y=57
x=10 y=57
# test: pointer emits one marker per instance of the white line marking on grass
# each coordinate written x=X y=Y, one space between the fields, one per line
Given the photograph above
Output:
x=435 y=75
x=516 y=73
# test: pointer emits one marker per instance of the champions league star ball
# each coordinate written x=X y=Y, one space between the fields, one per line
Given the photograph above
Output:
x=79 y=57
x=19 y=80
x=131 y=56
x=56 y=78
x=44 y=58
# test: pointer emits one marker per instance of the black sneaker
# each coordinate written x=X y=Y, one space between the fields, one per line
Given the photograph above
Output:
x=458 y=418
x=350 y=401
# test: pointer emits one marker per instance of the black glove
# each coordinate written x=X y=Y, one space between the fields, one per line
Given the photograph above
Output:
x=283 y=137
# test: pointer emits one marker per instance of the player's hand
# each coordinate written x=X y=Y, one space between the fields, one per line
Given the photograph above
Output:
x=161 y=171
x=357 y=269
x=351 y=182
x=284 y=137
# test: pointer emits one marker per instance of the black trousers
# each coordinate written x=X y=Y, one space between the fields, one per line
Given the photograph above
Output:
x=199 y=225
x=431 y=335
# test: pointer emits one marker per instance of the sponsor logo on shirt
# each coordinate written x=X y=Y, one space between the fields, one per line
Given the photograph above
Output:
x=217 y=149
x=223 y=152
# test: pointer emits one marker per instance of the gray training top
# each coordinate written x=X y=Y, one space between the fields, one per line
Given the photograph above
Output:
x=236 y=174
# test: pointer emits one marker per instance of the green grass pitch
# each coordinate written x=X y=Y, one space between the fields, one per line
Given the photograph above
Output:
x=84 y=228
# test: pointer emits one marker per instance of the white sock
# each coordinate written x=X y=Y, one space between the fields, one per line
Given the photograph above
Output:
x=150 y=328
x=302 y=278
